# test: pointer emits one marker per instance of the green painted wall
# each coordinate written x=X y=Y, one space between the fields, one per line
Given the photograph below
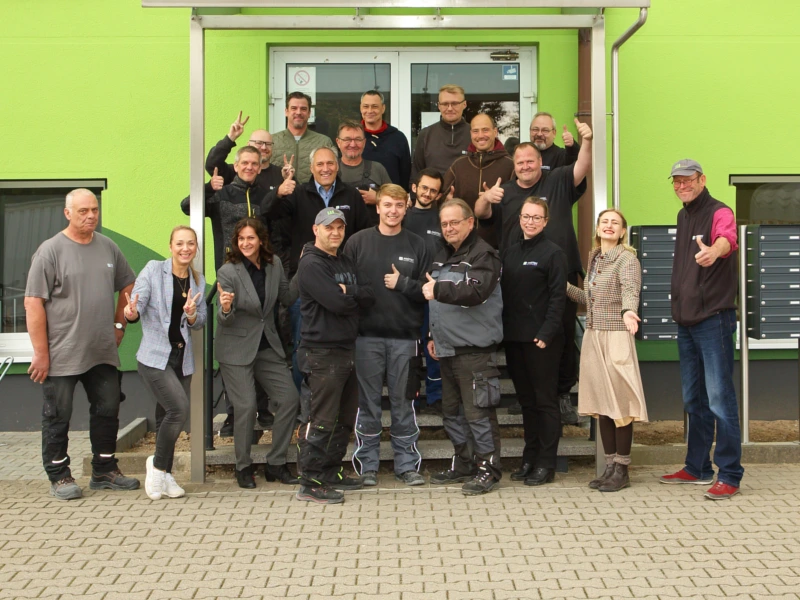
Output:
x=92 y=88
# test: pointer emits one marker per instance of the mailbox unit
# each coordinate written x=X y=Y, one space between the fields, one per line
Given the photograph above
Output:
x=655 y=248
x=773 y=281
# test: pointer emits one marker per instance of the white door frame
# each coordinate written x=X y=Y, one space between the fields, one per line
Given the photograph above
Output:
x=400 y=60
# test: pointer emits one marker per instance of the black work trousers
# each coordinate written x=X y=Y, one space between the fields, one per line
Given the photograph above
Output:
x=101 y=383
x=535 y=375
x=568 y=362
x=329 y=403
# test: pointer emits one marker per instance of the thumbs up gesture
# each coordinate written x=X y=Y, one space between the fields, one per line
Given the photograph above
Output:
x=569 y=141
x=584 y=131
x=217 y=181
x=707 y=255
x=390 y=279
x=131 y=312
x=225 y=299
x=427 y=289
x=493 y=194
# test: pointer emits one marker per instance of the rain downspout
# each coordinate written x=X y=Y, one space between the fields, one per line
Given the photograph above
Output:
x=615 y=102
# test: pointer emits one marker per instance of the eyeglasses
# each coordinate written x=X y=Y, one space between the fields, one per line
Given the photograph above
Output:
x=424 y=189
x=452 y=224
x=684 y=182
x=543 y=130
x=351 y=140
x=534 y=218
x=258 y=143
x=449 y=104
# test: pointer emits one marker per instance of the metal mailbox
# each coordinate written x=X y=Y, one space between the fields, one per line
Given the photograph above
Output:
x=655 y=248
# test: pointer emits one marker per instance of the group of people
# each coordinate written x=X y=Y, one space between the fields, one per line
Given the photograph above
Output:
x=374 y=271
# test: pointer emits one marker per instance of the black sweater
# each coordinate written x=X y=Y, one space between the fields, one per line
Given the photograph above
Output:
x=330 y=316
x=534 y=285
x=390 y=148
x=425 y=223
x=397 y=313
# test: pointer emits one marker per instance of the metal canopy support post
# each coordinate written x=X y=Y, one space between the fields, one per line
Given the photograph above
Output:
x=599 y=158
x=744 y=341
x=197 y=221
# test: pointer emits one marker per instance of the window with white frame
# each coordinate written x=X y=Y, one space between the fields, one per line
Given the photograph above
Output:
x=30 y=213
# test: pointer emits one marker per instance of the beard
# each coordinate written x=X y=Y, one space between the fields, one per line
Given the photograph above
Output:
x=540 y=145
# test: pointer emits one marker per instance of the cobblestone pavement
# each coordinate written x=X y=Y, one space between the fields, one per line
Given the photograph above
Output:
x=558 y=541
x=21 y=454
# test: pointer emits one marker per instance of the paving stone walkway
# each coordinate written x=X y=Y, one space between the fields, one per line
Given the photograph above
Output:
x=558 y=541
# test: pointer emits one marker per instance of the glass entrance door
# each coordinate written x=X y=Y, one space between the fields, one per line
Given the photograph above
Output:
x=410 y=80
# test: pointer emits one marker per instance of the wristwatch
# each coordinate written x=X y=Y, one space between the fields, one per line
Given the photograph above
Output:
x=119 y=326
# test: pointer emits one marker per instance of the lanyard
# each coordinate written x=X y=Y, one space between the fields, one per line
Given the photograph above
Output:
x=247 y=194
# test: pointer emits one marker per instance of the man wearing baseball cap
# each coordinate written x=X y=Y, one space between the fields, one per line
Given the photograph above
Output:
x=331 y=296
x=704 y=287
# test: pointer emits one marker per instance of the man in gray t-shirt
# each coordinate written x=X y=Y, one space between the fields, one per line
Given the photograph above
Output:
x=75 y=330
x=364 y=175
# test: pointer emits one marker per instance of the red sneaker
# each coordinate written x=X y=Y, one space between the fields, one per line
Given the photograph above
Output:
x=683 y=476
x=721 y=491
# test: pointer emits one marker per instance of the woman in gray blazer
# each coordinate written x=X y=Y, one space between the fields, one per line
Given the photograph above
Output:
x=168 y=298
x=249 y=349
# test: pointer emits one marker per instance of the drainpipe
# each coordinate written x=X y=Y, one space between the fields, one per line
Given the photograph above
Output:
x=615 y=102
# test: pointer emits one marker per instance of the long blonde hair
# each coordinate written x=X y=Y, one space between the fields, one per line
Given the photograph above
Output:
x=175 y=230
x=623 y=240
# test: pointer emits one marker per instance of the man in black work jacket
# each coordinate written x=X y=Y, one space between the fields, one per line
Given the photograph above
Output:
x=301 y=203
x=331 y=296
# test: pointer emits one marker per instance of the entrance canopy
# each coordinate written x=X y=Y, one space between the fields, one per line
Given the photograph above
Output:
x=222 y=14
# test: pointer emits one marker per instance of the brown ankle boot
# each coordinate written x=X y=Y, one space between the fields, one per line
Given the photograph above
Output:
x=618 y=480
x=596 y=483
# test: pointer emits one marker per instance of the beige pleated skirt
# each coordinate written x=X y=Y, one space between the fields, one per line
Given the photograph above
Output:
x=610 y=383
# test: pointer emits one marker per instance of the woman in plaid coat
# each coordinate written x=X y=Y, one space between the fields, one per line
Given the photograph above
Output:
x=610 y=385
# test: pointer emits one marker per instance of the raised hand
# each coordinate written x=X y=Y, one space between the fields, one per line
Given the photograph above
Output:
x=217 y=182
x=237 y=128
x=427 y=289
x=287 y=187
x=451 y=193
x=631 y=321
x=390 y=279
x=707 y=255
x=190 y=308
x=225 y=299
x=584 y=131
x=287 y=170
x=131 y=312
x=493 y=194
x=566 y=136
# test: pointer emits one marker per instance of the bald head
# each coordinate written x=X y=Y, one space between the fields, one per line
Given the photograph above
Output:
x=262 y=139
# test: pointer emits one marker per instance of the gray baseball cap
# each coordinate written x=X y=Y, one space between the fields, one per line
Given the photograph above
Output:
x=328 y=215
x=686 y=167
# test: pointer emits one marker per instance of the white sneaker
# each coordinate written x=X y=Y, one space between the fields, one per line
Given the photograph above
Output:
x=154 y=481
x=171 y=487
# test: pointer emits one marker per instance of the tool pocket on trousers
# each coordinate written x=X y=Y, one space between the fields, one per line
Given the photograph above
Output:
x=486 y=388
x=414 y=377
x=49 y=408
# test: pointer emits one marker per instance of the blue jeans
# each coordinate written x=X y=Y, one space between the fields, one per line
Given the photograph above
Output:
x=294 y=316
x=706 y=361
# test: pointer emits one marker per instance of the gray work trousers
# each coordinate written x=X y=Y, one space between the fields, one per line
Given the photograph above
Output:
x=389 y=358
x=275 y=377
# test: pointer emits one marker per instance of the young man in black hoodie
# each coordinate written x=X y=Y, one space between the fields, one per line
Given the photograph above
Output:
x=423 y=219
x=330 y=300
x=388 y=337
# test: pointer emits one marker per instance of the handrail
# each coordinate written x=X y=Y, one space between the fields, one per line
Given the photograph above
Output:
x=208 y=401
x=5 y=366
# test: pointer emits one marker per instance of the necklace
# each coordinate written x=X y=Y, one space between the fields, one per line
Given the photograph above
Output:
x=180 y=283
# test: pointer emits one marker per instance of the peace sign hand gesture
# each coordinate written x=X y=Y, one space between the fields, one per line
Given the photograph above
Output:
x=237 y=128
x=225 y=299
x=131 y=312
x=190 y=308
x=287 y=170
